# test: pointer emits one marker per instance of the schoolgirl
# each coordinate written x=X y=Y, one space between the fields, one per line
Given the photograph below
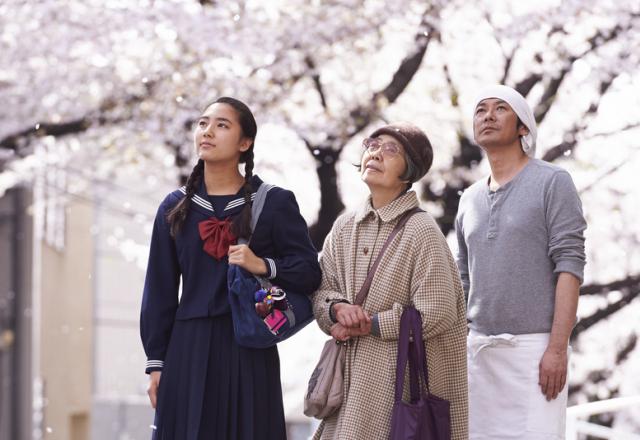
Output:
x=203 y=385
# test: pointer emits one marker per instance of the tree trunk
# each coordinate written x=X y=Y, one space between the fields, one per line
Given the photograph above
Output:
x=330 y=201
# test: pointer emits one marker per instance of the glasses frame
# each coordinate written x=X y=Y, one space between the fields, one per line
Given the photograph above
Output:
x=388 y=149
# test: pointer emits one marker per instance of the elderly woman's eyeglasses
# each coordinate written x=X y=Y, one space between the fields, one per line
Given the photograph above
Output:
x=387 y=148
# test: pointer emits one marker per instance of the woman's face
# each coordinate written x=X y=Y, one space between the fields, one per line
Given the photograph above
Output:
x=383 y=163
x=218 y=135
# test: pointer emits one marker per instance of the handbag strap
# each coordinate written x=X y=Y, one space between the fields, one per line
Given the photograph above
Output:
x=414 y=362
x=364 y=290
x=258 y=204
x=403 y=356
x=256 y=209
x=419 y=353
x=412 y=352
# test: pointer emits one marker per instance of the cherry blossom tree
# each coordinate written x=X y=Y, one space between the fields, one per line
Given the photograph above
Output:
x=107 y=89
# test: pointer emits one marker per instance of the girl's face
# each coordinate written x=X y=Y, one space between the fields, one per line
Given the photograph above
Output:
x=383 y=163
x=218 y=135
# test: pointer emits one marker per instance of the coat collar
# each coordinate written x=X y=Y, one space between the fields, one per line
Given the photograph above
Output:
x=200 y=200
x=388 y=212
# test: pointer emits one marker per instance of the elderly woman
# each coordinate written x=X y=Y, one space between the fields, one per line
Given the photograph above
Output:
x=417 y=269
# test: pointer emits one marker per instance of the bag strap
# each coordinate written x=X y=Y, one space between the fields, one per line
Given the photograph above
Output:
x=256 y=208
x=415 y=340
x=403 y=356
x=411 y=350
x=364 y=290
x=258 y=204
x=419 y=352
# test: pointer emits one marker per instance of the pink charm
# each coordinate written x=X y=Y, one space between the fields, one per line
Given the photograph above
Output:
x=275 y=320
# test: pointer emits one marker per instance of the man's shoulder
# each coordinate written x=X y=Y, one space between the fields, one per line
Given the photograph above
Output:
x=545 y=170
x=474 y=191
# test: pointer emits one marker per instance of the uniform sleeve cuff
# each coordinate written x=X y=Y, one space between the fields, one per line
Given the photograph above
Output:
x=154 y=365
x=271 y=268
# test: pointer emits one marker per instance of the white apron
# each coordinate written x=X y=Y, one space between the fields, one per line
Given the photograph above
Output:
x=505 y=400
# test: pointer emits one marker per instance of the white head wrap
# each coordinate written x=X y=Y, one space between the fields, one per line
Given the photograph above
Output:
x=520 y=107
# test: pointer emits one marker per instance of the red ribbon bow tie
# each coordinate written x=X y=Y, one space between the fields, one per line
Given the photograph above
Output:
x=217 y=237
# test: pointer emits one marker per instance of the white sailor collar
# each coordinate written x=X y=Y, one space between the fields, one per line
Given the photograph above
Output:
x=200 y=200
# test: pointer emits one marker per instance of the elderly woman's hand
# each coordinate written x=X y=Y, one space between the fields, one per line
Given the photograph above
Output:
x=351 y=316
x=339 y=332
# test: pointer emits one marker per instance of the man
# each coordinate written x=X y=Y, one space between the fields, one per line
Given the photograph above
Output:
x=521 y=259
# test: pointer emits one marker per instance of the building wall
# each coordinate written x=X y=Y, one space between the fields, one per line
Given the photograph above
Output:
x=15 y=315
x=66 y=330
x=121 y=407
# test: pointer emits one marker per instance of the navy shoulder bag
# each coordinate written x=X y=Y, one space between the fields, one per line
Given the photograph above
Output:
x=264 y=314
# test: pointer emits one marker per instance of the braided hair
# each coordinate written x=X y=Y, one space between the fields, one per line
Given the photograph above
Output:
x=241 y=225
x=178 y=214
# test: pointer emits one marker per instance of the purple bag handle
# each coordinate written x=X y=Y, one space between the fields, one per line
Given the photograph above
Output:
x=412 y=352
x=420 y=353
x=403 y=355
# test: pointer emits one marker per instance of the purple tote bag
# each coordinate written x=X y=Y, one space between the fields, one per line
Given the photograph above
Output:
x=425 y=416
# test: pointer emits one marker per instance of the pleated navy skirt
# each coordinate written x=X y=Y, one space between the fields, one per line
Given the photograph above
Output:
x=211 y=388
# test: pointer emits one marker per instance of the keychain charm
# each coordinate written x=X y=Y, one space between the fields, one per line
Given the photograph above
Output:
x=270 y=304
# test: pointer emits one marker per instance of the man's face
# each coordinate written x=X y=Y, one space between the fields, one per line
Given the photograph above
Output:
x=496 y=124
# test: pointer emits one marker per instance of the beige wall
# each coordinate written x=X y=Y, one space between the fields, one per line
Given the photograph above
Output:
x=66 y=329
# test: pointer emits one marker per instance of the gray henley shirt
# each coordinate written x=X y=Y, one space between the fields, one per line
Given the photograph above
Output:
x=513 y=242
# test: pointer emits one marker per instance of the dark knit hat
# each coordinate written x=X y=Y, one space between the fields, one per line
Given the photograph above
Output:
x=416 y=145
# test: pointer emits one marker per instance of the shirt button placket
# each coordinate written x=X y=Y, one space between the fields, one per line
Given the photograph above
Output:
x=492 y=231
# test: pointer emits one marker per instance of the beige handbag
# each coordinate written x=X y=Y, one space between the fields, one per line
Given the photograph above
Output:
x=326 y=385
x=324 y=394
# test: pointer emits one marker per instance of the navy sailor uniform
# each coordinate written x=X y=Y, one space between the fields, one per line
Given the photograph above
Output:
x=210 y=387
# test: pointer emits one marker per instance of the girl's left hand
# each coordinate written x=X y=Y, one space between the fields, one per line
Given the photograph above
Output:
x=244 y=257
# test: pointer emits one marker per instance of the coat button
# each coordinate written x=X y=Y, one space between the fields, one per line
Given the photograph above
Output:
x=365 y=250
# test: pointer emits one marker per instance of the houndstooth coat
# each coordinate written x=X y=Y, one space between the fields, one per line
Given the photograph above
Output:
x=417 y=269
